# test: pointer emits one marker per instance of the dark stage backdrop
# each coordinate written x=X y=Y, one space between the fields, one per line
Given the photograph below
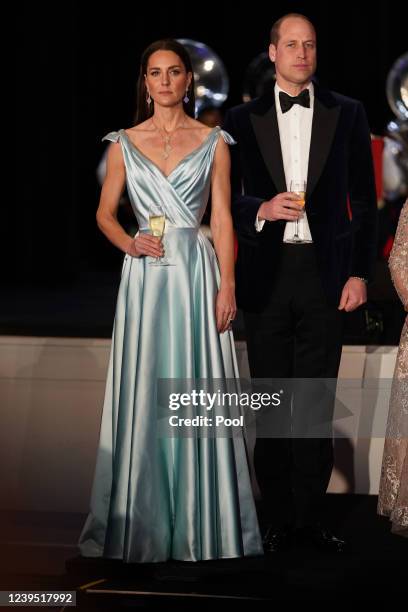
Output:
x=76 y=73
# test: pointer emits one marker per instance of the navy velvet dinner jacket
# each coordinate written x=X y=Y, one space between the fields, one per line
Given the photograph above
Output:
x=341 y=201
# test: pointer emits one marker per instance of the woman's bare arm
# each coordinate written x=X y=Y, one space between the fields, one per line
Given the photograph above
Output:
x=223 y=234
x=106 y=215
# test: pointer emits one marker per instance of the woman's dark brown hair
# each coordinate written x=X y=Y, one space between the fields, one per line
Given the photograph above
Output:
x=145 y=110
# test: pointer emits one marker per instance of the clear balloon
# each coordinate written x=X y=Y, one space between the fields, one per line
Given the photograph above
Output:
x=210 y=75
x=395 y=167
x=397 y=87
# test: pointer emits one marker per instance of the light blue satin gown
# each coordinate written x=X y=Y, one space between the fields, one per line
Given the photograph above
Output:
x=158 y=498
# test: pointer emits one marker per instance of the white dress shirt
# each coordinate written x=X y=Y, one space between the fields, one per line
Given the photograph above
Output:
x=295 y=130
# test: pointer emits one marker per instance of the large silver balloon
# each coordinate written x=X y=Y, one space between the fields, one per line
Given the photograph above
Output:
x=395 y=159
x=210 y=75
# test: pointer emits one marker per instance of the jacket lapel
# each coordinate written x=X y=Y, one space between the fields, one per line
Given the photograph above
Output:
x=265 y=125
x=325 y=118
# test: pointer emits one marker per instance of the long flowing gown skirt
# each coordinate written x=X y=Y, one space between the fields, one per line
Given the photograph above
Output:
x=153 y=497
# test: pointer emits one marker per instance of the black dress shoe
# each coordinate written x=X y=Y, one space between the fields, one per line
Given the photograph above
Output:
x=319 y=538
x=277 y=540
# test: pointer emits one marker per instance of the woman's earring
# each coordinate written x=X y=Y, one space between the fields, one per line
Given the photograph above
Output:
x=148 y=99
x=186 y=98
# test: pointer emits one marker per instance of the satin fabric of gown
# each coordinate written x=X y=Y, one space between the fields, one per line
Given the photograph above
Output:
x=393 y=492
x=156 y=498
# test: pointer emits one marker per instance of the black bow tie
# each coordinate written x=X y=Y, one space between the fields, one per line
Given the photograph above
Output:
x=287 y=102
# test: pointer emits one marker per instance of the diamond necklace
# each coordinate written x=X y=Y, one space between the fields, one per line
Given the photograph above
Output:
x=166 y=135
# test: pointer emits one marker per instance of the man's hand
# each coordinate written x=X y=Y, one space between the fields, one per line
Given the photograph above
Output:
x=282 y=206
x=353 y=295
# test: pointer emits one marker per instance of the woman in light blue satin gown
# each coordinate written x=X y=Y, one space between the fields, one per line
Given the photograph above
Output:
x=156 y=498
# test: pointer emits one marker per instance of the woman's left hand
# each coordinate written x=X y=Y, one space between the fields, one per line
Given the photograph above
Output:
x=225 y=308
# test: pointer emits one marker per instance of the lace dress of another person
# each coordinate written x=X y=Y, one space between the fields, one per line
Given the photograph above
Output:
x=393 y=493
x=157 y=497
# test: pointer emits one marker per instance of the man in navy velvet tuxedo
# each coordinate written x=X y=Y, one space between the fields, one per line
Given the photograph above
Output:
x=295 y=289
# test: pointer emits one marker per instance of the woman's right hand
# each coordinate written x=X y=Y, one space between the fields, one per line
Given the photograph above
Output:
x=146 y=244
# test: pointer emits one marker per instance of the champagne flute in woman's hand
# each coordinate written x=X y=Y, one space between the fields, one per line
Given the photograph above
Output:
x=157 y=222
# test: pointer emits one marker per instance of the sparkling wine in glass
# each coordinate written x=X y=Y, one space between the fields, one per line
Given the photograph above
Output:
x=299 y=189
x=157 y=222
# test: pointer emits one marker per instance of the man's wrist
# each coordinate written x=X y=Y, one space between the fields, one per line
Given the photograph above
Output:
x=259 y=221
x=259 y=214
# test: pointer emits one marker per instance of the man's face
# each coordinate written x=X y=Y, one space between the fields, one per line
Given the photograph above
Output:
x=295 y=53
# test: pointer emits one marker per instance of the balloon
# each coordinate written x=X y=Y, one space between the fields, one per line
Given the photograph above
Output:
x=210 y=75
x=397 y=87
x=396 y=150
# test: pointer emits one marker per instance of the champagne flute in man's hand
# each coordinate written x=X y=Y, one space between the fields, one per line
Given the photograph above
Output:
x=299 y=189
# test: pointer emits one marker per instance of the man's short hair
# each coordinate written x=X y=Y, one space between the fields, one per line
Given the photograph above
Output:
x=276 y=26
